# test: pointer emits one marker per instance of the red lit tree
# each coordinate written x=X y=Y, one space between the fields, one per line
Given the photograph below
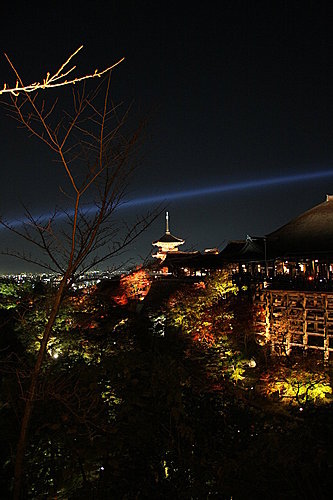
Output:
x=133 y=287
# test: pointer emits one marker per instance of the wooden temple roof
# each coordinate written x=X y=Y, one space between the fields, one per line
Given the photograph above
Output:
x=308 y=235
x=193 y=260
x=249 y=250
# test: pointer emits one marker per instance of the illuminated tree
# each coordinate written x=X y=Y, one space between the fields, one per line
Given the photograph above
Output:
x=297 y=385
x=197 y=309
x=92 y=145
x=133 y=287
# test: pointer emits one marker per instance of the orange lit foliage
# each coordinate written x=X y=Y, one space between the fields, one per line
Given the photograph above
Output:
x=133 y=287
x=83 y=297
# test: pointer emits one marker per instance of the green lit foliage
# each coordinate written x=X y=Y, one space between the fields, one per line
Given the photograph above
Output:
x=237 y=372
x=12 y=294
x=31 y=327
x=77 y=398
x=199 y=309
x=297 y=385
x=9 y=290
x=205 y=312
x=76 y=329
x=125 y=412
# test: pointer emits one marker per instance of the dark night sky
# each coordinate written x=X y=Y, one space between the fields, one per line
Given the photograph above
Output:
x=235 y=94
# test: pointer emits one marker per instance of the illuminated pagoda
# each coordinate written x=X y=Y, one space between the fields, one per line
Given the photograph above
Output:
x=167 y=243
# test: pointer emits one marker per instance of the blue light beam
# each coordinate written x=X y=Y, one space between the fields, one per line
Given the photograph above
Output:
x=206 y=191
x=225 y=188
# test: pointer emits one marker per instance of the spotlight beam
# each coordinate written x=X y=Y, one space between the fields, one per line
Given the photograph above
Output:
x=206 y=191
x=225 y=188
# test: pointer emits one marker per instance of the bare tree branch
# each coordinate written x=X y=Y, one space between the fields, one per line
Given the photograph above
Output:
x=56 y=80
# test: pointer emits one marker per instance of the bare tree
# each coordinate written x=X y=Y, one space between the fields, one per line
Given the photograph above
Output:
x=95 y=153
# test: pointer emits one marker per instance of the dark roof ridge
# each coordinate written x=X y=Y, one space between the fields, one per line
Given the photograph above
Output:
x=328 y=203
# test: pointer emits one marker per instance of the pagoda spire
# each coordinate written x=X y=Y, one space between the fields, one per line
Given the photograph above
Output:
x=167 y=243
x=167 y=230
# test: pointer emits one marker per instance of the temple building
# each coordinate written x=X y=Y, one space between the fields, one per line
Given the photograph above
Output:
x=290 y=272
x=299 y=254
x=167 y=243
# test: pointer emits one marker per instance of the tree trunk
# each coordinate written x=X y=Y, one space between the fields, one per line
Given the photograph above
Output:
x=30 y=394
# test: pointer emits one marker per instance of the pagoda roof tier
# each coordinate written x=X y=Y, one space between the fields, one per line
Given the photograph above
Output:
x=168 y=238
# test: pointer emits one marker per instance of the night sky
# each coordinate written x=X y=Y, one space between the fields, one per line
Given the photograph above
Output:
x=238 y=94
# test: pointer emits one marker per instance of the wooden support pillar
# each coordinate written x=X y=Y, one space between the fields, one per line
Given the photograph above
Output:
x=326 y=337
x=305 y=324
x=287 y=315
x=268 y=313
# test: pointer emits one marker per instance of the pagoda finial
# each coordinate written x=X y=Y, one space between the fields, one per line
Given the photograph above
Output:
x=167 y=230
